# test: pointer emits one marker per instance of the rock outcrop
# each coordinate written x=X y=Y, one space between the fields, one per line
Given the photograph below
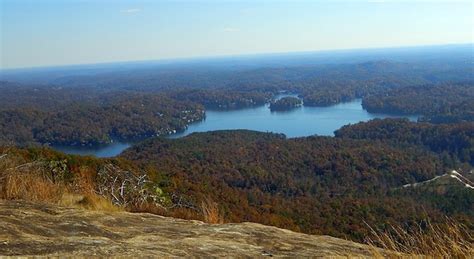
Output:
x=48 y=230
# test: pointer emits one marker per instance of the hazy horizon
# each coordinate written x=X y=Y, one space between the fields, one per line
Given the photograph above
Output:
x=57 y=33
x=261 y=55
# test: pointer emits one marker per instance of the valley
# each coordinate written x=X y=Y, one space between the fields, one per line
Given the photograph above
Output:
x=374 y=145
x=301 y=122
x=240 y=129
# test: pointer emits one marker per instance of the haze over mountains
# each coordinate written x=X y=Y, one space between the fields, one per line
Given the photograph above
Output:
x=297 y=63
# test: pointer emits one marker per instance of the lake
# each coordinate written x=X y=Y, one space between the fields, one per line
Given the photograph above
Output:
x=299 y=122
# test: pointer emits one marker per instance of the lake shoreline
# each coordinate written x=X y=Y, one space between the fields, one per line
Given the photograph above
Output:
x=299 y=122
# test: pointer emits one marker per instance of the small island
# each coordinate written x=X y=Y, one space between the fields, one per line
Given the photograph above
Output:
x=285 y=104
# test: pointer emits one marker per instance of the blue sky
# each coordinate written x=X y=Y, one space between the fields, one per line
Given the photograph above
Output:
x=59 y=32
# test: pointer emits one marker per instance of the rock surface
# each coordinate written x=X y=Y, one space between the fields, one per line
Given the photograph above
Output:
x=41 y=229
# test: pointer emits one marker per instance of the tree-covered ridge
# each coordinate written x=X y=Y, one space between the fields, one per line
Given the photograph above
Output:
x=455 y=142
x=321 y=83
x=222 y=99
x=285 y=103
x=121 y=116
x=333 y=93
x=315 y=184
x=434 y=102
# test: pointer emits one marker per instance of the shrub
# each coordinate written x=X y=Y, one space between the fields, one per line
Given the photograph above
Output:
x=210 y=211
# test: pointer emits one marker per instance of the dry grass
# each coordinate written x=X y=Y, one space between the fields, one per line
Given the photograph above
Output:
x=26 y=181
x=30 y=186
x=30 y=182
x=210 y=211
x=84 y=181
x=448 y=240
x=98 y=203
x=69 y=199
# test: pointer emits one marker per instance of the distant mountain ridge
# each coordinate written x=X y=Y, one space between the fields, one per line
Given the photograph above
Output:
x=440 y=55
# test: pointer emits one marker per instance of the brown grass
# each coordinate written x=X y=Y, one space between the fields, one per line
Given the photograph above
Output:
x=84 y=181
x=98 y=203
x=447 y=240
x=30 y=186
x=26 y=181
x=69 y=199
x=210 y=211
x=30 y=182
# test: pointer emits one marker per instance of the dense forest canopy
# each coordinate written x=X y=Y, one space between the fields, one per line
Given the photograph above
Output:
x=314 y=184
x=454 y=141
x=221 y=99
x=90 y=119
x=434 y=102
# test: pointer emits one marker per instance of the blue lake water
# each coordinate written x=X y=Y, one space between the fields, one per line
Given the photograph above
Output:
x=299 y=122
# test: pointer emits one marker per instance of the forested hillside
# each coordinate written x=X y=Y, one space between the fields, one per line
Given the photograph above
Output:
x=45 y=115
x=221 y=99
x=455 y=142
x=437 y=103
x=315 y=184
